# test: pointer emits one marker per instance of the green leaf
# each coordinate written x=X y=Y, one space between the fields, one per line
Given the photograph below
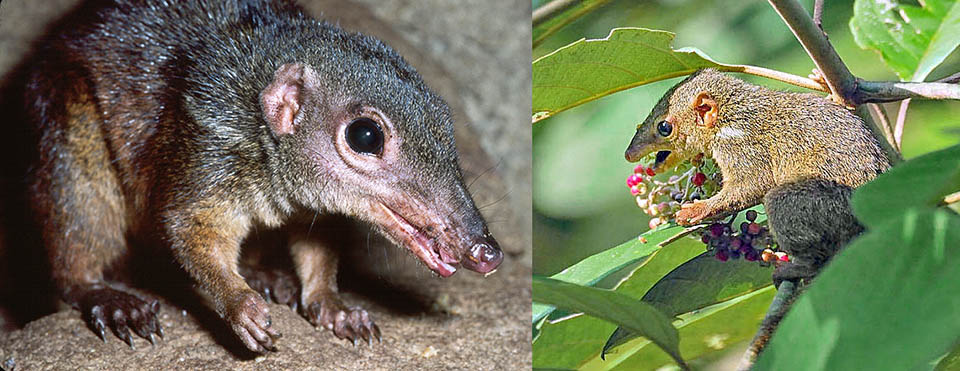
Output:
x=700 y=279
x=638 y=317
x=542 y=30
x=698 y=283
x=709 y=330
x=590 y=69
x=887 y=302
x=594 y=268
x=922 y=181
x=567 y=342
x=912 y=40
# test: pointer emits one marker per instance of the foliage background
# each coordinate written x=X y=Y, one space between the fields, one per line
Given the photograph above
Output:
x=580 y=202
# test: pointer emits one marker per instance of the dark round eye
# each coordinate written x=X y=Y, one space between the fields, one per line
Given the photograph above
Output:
x=364 y=136
x=664 y=128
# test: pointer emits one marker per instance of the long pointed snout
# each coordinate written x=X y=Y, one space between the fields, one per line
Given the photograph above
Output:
x=638 y=147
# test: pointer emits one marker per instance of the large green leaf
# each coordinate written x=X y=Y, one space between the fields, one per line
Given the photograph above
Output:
x=700 y=280
x=888 y=302
x=636 y=316
x=594 y=268
x=698 y=283
x=922 y=181
x=710 y=330
x=566 y=342
x=589 y=69
x=912 y=40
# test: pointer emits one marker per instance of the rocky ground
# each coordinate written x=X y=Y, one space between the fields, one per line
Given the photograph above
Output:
x=477 y=55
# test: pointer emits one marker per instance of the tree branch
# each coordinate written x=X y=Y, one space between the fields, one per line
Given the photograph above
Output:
x=891 y=91
x=843 y=85
x=841 y=82
x=786 y=294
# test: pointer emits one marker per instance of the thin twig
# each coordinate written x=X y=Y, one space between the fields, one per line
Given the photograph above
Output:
x=818 y=15
x=548 y=10
x=881 y=115
x=777 y=75
x=901 y=119
x=680 y=235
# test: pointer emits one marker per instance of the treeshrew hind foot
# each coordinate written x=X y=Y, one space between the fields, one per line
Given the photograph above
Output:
x=103 y=307
x=346 y=323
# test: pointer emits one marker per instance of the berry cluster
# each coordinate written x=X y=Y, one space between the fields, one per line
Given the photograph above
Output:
x=662 y=199
x=751 y=240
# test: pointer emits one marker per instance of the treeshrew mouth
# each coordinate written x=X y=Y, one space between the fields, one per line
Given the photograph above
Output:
x=423 y=246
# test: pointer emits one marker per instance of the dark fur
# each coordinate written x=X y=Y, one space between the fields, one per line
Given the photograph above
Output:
x=151 y=126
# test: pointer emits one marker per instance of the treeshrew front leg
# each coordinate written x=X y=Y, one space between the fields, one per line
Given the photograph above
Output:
x=206 y=241
x=320 y=303
x=731 y=198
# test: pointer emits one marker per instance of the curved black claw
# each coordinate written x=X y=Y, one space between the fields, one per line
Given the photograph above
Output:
x=350 y=324
x=104 y=307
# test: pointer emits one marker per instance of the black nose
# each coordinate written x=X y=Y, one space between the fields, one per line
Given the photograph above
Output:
x=484 y=256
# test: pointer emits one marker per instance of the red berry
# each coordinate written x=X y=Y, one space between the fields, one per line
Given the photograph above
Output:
x=722 y=255
x=698 y=179
x=753 y=229
x=650 y=172
x=782 y=256
x=638 y=169
x=634 y=190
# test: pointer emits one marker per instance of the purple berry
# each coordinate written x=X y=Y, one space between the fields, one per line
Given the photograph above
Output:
x=736 y=243
x=705 y=238
x=716 y=229
x=722 y=255
x=751 y=215
x=744 y=226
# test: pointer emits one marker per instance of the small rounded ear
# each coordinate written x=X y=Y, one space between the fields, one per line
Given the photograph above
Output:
x=706 y=108
x=281 y=99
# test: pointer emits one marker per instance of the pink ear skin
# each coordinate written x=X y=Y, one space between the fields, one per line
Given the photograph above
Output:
x=706 y=108
x=281 y=99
